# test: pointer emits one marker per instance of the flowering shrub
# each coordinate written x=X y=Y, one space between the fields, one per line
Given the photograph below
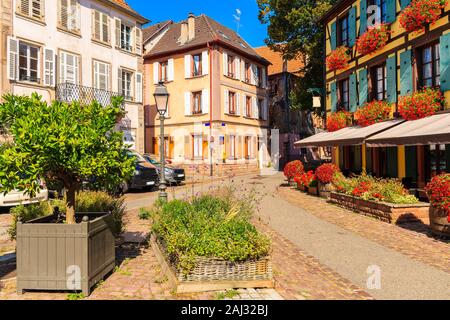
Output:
x=362 y=188
x=305 y=179
x=373 y=112
x=326 y=172
x=438 y=191
x=421 y=13
x=421 y=104
x=373 y=39
x=338 y=59
x=293 y=169
x=338 y=120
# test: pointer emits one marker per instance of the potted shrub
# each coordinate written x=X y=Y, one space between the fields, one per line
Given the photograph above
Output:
x=373 y=39
x=421 y=104
x=304 y=180
x=373 y=112
x=338 y=59
x=313 y=188
x=293 y=169
x=338 y=120
x=420 y=13
x=69 y=143
x=325 y=174
x=438 y=191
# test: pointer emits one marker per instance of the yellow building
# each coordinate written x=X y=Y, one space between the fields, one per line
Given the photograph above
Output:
x=409 y=61
x=217 y=110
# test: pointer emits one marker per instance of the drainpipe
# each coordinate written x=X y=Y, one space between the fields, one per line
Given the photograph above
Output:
x=210 y=110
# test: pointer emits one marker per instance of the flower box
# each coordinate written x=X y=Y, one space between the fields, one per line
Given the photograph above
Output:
x=373 y=112
x=387 y=212
x=421 y=104
x=420 y=13
x=338 y=59
x=439 y=222
x=373 y=39
x=338 y=120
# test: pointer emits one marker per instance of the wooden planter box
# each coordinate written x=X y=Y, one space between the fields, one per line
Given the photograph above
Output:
x=314 y=191
x=214 y=274
x=388 y=212
x=325 y=190
x=438 y=222
x=50 y=256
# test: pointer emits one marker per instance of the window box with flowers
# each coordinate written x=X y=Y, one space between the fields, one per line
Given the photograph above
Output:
x=421 y=13
x=293 y=169
x=338 y=120
x=338 y=59
x=421 y=104
x=373 y=39
x=325 y=175
x=438 y=191
x=373 y=112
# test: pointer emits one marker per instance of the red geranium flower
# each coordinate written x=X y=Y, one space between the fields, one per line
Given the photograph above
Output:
x=421 y=13
x=438 y=191
x=373 y=112
x=325 y=173
x=293 y=169
x=373 y=39
x=338 y=120
x=338 y=59
x=421 y=104
x=361 y=188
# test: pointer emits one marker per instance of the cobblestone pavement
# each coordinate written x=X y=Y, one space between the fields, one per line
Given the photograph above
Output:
x=413 y=239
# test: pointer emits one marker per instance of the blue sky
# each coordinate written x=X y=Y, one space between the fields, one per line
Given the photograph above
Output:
x=222 y=11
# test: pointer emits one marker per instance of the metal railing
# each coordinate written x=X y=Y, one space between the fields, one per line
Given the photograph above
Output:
x=69 y=92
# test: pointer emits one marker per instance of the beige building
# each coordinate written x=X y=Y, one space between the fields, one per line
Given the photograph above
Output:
x=218 y=111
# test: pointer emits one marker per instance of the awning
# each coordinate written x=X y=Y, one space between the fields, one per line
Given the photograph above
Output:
x=348 y=136
x=430 y=130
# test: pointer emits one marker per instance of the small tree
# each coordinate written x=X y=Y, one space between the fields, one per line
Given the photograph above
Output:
x=70 y=143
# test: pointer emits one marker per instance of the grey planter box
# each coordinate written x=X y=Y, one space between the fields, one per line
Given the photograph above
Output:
x=53 y=256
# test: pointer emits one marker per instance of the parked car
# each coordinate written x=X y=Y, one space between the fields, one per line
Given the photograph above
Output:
x=15 y=198
x=173 y=174
x=145 y=174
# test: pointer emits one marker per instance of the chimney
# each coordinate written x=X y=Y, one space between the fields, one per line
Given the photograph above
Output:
x=184 y=33
x=191 y=26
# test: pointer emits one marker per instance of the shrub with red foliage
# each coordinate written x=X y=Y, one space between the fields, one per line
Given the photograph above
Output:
x=293 y=169
x=338 y=59
x=420 y=104
x=421 y=13
x=373 y=112
x=325 y=173
x=373 y=39
x=338 y=120
x=438 y=191
x=305 y=179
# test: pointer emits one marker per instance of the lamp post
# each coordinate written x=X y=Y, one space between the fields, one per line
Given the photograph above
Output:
x=162 y=98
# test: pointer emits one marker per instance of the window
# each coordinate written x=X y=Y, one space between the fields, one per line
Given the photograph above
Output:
x=379 y=82
x=197 y=146
x=125 y=37
x=344 y=94
x=258 y=76
x=248 y=72
x=196 y=65
x=260 y=108
x=101 y=76
x=28 y=62
x=127 y=77
x=164 y=71
x=430 y=64
x=232 y=140
x=69 y=68
x=100 y=27
x=31 y=8
x=381 y=4
x=248 y=106
x=231 y=66
x=68 y=15
x=232 y=101
x=437 y=160
x=343 y=31
x=248 y=147
x=197 y=102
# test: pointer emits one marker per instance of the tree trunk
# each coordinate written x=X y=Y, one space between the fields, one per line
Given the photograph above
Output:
x=70 y=206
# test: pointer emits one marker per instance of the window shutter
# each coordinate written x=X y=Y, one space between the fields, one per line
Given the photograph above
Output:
x=118 y=25
x=254 y=74
x=119 y=81
x=391 y=81
x=405 y=73
x=73 y=23
x=205 y=101
x=264 y=78
x=105 y=31
x=138 y=41
x=187 y=66
x=333 y=96
x=445 y=62
x=265 y=110
x=363 y=88
x=353 y=92
x=226 y=100
x=352 y=27
x=362 y=17
x=62 y=67
x=187 y=104
x=138 y=87
x=225 y=63
x=62 y=13
x=255 y=108
x=333 y=39
x=187 y=147
x=171 y=71
x=237 y=67
x=13 y=58
x=155 y=72
x=96 y=75
x=238 y=104
x=404 y=3
x=24 y=6
x=37 y=9
x=391 y=10
x=49 y=67
x=205 y=63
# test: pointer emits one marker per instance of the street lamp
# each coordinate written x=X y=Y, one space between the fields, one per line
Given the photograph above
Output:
x=162 y=98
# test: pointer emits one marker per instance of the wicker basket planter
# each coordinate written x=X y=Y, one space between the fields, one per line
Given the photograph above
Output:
x=439 y=222
x=214 y=274
x=387 y=212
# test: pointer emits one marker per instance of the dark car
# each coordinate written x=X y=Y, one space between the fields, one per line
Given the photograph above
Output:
x=145 y=174
x=173 y=174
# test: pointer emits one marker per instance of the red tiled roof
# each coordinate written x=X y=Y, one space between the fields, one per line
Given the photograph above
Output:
x=126 y=6
x=294 y=66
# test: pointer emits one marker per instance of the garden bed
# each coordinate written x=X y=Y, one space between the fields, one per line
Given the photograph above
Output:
x=387 y=212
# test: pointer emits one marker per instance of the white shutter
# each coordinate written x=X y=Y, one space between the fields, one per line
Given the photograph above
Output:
x=225 y=63
x=73 y=21
x=96 y=25
x=187 y=103
x=187 y=66
x=226 y=100
x=13 y=58
x=264 y=77
x=205 y=63
x=96 y=75
x=156 y=72
x=105 y=30
x=237 y=63
x=117 y=24
x=205 y=101
x=49 y=67
x=253 y=74
x=138 y=87
x=238 y=104
x=171 y=70
x=119 y=81
x=254 y=108
x=24 y=6
x=63 y=13
x=138 y=41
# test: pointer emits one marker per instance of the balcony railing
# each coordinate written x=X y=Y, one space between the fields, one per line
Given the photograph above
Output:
x=69 y=92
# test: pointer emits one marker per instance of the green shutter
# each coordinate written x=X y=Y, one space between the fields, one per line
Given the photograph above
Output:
x=406 y=84
x=391 y=162
x=353 y=92
x=391 y=70
x=404 y=3
x=362 y=16
x=391 y=10
x=333 y=39
x=445 y=62
x=363 y=89
x=352 y=27
x=333 y=96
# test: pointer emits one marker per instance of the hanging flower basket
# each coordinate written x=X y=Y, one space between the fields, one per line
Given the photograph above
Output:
x=421 y=104
x=373 y=112
x=421 y=13
x=338 y=120
x=373 y=39
x=338 y=59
